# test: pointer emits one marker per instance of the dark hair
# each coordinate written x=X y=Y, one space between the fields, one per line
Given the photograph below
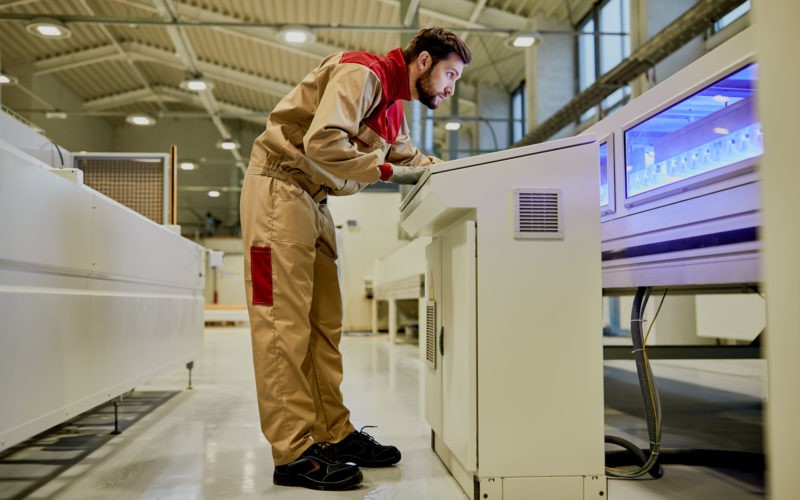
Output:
x=439 y=43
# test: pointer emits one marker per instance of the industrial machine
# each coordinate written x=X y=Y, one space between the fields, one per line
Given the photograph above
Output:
x=680 y=204
x=679 y=180
x=514 y=380
x=95 y=298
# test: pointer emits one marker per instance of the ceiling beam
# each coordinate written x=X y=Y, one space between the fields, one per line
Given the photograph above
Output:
x=74 y=60
x=411 y=10
x=141 y=52
x=138 y=74
x=458 y=12
x=189 y=58
x=513 y=22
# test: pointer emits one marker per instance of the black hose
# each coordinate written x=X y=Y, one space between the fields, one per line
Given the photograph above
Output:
x=620 y=458
x=650 y=399
x=721 y=459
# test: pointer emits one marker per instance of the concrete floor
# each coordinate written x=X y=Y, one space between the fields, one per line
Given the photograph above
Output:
x=206 y=443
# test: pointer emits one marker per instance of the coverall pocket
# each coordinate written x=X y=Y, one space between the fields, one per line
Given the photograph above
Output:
x=261 y=272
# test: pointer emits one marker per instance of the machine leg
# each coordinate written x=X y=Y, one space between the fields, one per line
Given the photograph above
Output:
x=189 y=367
x=116 y=416
x=392 y=321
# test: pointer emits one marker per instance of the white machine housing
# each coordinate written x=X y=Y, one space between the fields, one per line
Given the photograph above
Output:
x=95 y=299
x=514 y=381
x=699 y=232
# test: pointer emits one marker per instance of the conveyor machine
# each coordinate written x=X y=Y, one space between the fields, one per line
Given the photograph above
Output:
x=514 y=377
x=95 y=298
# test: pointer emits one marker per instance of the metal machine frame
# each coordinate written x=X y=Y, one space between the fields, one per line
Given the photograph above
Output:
x=513 y=313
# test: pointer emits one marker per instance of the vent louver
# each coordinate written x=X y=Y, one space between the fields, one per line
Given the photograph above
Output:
x=537 y=213
x=430 y=334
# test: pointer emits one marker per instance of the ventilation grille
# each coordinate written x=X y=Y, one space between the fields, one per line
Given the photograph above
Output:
x=537 y=213
x=136 y=184
x=430 y=334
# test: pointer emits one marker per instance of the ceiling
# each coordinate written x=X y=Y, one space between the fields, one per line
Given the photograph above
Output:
x=126 y=56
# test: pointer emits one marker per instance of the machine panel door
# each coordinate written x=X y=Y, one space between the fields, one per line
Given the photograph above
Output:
x=459 y=338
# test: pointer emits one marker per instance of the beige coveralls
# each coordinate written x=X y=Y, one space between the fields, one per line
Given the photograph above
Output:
x=328 y=136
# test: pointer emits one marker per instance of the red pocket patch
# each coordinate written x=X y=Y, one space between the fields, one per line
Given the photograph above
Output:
x=261 y=271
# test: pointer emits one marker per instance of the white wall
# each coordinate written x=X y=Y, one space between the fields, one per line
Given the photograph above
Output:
x=229 y=276
x=373 y=233
x=76 y=133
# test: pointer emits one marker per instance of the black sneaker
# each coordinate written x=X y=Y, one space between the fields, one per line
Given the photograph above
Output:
x=362 y=449
x=319 y=469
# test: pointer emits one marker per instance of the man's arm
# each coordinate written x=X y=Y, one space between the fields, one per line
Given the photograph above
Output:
x=351 y=93
x=403 y=151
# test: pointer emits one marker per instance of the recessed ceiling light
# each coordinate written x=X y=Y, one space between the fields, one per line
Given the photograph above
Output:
x=721 y=98
x=296 y=35
x=197 y=84
x=7 y=79
x=187 y=165
x=46 y=27
x=452 y=125
x=55 y=115
x=522 y=40
x=141 y=120
x=228 y=144
x=214 y=194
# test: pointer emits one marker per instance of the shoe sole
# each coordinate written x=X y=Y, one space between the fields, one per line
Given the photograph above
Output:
x=306 y=482
x=366 y=463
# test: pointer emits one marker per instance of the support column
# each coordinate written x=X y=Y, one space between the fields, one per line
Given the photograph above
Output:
x=779 y=105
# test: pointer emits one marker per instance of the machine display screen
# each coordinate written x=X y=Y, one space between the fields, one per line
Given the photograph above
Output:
x=604 y=174
x=712 y=129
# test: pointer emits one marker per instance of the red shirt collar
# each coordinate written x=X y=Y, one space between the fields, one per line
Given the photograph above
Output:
x=397 y=83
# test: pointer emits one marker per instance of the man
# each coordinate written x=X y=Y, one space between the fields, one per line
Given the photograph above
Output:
x=341 y=129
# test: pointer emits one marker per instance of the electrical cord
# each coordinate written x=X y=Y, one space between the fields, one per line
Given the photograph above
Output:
x=650 y=397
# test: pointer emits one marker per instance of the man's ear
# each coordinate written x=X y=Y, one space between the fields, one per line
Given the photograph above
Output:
x=424 y=60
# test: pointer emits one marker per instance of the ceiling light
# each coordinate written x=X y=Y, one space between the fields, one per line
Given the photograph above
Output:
x=197 y=84
x=721 y=98
x=7 y=79
x=522 y=40
x=55 y=115
x=228 y=144
x=214 y=194
x=296 y=35
x=452 y=125
x=187 y=165
x=46 y=27
x=141 y=120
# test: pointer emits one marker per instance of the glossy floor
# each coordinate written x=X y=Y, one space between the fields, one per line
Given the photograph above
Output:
x=205 y=442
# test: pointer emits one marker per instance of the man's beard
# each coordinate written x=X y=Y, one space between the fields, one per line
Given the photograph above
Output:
x=427 y=94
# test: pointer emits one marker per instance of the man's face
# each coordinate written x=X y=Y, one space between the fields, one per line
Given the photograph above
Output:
x=438 y=81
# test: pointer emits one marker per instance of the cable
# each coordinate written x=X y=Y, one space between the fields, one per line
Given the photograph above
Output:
x=59 y=152
x=650 y=396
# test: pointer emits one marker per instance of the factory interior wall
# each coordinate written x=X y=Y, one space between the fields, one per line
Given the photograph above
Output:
x=75 y=133
x=367 y=229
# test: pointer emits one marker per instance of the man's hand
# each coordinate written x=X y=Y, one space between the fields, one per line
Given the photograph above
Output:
x=400 y=174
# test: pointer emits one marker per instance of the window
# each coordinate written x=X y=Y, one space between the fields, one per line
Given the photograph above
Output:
x=604 y=42
x=731 y=16
x=519 y=122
